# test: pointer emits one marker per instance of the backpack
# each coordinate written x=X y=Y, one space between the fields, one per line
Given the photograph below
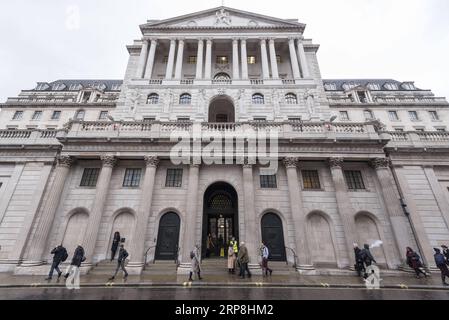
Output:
x=64 y=256
x=439 y=259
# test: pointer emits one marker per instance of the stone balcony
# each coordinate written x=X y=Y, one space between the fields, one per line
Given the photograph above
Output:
x=29 y=137
x=336 y=101
x=415 y=139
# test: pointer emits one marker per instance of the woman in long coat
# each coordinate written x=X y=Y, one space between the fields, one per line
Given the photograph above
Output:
x=115 y=243
x=195 y=268
x=231 y=259
x=414 y=262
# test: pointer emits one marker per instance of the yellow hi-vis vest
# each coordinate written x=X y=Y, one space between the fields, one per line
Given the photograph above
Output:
x=235 y=246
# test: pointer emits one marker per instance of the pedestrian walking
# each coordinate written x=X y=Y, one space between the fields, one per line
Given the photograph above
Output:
x=243 y=259
x=115 y=243
x=209 y=245
x=231 y=259
x=77 y=259
x=121 y=260
x=195 y=267
x=414 y=262
x=445 y=252
x=235 y=246
x=359 y=265
x=59 y=255
x=441 y=263
x=367 y=257
x=265 y=255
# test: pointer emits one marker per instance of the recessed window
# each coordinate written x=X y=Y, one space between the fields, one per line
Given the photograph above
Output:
x=393 y=115
x=132 y=178
x=363 y=98
x=103 y=115
x=191 y=60
x=434 y=115
x=153 y=98
x=18 y=115
x=368 y=114
x=252 y=60
x=354 y=180
x=56 y=115
x=413 y=115
x=311 y=179
x=80 y=115
x=268 y=181
x=222 y=60
x=185 y=99
x=165 y=59
x=258 y=99
x=291 y=98
x=278 y=59
x=37 y=115
x=174 y=178
x=86 y=97
x=259 y=119
x=344 y=116
x=90 y=177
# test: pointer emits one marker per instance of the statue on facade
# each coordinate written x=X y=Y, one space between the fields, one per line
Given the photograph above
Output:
x=222 y=17
x=276 y=103
x=310 y=100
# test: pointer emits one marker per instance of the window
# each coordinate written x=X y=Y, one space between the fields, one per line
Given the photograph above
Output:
x=58 y=87
x=419 y=129
x=368 y=114
x=149 y=119
x=393 y=115
x=18 y=115
x=363 y=98
x=294 y=119
x=354 y=180
x=373 y=86
x=408 y=86
x=259 y=119
x=391 y=86
x=75 y=87
x=330 y=86
x=290 y=98
x=116 y=87
x=441 y=129
x=252 y=60
x=191 y=60
x=185 y=98
x=165 y=59
x=80 y=115
x=132 y=178
x=222 y=60
x=90 y=177
x=413 y=115
x=103 y=115
x=174 y=178
x=56 y=115
x=311 y=179
x=37 y=115
x=434 y=115
x=42 y=86
x=399 y=129
x=183 y=119
x=258 y=99
x=344 y=116
x=268 y=182
x=86 y=97
x=153 y=98
x=278 y=59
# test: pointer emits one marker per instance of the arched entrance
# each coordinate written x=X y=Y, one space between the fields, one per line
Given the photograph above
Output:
x=75 y=231
x=221 y=109
x=273 y=236
x=168 y=237
x=220 y=219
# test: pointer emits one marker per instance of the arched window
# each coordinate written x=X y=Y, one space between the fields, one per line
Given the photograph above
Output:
x=258 y=98
x=79 y=115
x=290 y=98
x=222 y=76
x=185 y=98
x=153 y=98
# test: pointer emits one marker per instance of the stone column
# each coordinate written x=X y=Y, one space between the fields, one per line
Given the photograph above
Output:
x=252 y=226
x=189 y=229
x=391 y=199
x=96 y=213
x=235 y=59
x=293 y=58
x=39 y=242
x=273 y=59
x=144 y=212
x=199 y=60
x=171 y=60
x=142 y=60
x=244 y=59
x=265 y=67
x=344 y=206
x=298 y=215
x=150 y=62
x=179 y=60
x=303 y=60
x=208 y=68
x=438 y=192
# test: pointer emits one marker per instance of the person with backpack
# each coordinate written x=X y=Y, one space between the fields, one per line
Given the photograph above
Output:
x=414 y=262
x=122 y=255
x=265 y=252
x=77 y=259
x=359 y=266
x=441 y=263
x=59 y=255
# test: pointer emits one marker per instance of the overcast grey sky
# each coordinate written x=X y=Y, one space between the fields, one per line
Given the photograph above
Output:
x=401 y=39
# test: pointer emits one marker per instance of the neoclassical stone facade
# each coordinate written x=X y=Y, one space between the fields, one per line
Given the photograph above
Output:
x=358 y=160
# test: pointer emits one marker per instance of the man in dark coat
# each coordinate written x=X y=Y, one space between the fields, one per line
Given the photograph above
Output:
x=122 y=255
x=445 y=252
x=115 y=243
x=59 y=255
x=414 y=262
x=78 y=258
x=359 y=266
x=441 y=263
x=368 y=258
x=243 y=259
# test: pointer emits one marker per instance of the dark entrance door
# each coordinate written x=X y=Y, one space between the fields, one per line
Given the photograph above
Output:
x=168 y=237
x=273 y=236
x=220 y=222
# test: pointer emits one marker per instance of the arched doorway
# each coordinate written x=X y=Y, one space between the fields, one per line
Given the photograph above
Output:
x=220 y=221
x=124 y=224
x=273 y=236
x=168 y=237
x=221 y=109
x=75 y=231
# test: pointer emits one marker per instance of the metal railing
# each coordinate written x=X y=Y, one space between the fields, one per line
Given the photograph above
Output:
x=146 y=257
x=295 y=264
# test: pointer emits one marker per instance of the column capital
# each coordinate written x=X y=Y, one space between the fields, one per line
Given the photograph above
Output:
x=208 y=41
x=380 y=163
x=291 y=162
x=172 y=41
x=153 y=40
x=195 y=165
x=201 y=40
x=263 y=40
x=65 y=161
x=271 y=40
x=336 y=162
x=247 y=164
x=181 y=40
x=243 y=40
x=108 y=161
x=151 y=161
x=235 y=41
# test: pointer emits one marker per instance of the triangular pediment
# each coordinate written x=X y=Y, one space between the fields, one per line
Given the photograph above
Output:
x=223 y=17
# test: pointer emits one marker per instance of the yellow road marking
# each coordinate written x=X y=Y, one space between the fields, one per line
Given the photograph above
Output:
x=403 y=286
x=325 y=285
